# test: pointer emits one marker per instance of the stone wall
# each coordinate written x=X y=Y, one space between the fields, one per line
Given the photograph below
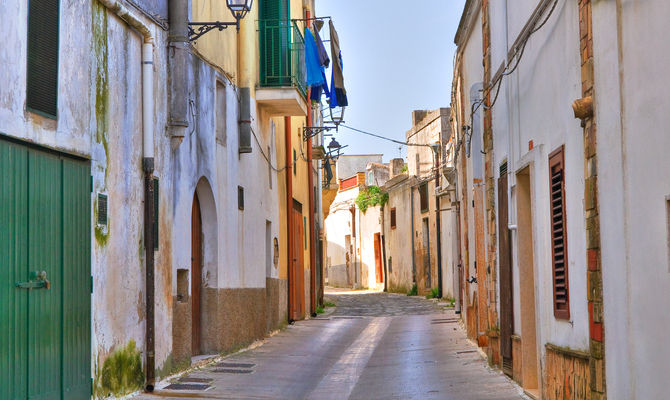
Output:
x=566 y=374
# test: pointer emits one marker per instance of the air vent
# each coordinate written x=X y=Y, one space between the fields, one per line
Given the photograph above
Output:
x=102 y=209
x=503 y=168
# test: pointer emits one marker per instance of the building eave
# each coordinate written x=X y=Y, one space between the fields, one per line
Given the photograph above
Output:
x=470 y=11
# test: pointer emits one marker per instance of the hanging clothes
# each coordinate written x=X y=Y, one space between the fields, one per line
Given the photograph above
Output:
x=324 y=59
x=338 y=94
x=315 y=74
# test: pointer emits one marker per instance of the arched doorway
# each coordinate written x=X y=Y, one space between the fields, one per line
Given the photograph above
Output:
x=196 y=274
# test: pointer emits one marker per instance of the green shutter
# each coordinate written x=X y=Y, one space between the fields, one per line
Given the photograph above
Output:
x=275 y=38
x=42 y=66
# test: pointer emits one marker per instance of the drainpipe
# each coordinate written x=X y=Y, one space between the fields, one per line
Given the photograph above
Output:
x=178 y=50
x=411 y=210
x=148 y=166
x=438 y=224
x=289 y=218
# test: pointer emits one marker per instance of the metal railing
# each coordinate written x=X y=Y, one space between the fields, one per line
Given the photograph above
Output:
x=282 y=53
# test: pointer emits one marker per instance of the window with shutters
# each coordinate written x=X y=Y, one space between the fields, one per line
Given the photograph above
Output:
x=156 y=215
x=42 y=65
x=559 y=239
x=393 y=218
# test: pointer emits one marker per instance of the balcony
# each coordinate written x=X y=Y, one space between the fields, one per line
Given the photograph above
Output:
x=283 y=89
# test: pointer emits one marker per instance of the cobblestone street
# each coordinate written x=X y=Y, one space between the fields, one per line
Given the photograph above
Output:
x=372 y=346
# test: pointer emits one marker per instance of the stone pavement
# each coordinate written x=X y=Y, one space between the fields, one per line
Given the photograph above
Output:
x=373 y=346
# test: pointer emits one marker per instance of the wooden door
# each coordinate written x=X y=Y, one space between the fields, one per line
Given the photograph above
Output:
x=45 y=274
x=196 y=274
x=426 y=252
x=506 y=299
x=298 y=271
x=379 y=273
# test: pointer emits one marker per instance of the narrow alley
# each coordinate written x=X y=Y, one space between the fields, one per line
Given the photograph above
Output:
x=371 y=346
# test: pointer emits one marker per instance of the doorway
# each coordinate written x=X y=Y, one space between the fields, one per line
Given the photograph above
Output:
x=45 y=274
x=529 y=354
x=379 y=272
x=426 y=252
x=297 y=270
x=196 y=276
x=506 y=295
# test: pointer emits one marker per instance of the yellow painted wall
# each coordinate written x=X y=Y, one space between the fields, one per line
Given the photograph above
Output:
x=218 y=47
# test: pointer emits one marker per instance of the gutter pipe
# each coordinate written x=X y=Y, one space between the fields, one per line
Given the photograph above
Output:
x=148 y=166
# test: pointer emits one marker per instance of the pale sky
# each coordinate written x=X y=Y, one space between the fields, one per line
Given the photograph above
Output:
x=398 y=57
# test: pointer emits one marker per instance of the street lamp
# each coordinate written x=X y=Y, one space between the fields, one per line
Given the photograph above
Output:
x=239 y=9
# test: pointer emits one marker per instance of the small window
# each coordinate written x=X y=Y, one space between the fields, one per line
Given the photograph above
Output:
x=423 y=195
x=353 y=221
x=393 y=218
x=42 y=65
x=304 y=230
x=102 y=209
x=220 y=113
x=269 y=168
x=559 y=240
x=418 y=164
x=268 y=249
x=156 y=215
x=240 y=198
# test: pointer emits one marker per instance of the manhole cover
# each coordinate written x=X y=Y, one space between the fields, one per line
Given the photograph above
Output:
x=235 y=365
x=232 y=371
x=187 y=386
x=190 y=379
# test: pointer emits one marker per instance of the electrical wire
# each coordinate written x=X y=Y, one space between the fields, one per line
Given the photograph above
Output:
x=260 y=147
x=384 y=137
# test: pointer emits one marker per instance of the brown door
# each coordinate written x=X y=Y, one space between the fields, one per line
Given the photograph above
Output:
x=506 y=305
x=379 y=274
x=426 y=253
x=298 y=282
x=196 y=274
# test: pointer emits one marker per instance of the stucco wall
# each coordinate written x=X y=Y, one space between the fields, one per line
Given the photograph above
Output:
x=399 y=239
x=631 y=87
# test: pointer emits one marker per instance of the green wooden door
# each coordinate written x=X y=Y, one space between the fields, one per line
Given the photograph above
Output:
x=45 y=299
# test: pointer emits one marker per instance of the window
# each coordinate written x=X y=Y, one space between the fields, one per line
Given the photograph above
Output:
x=304 y=230
x=220 y=113
x=393 y=218
x=353 y=221
x=240 y=198
x=42 y=66
x=423 y=195
x=418 y=164
x=268 y=249
x=667 y=207
x=559 y=242
x=295 y=163
x=102 y=209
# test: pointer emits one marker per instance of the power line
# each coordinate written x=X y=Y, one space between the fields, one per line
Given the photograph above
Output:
x=384 y=137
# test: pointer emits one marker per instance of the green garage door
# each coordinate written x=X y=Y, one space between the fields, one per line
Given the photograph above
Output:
x=45 y=269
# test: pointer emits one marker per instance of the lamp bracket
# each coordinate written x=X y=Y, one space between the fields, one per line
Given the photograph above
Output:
x=309 y=132
x=197 y=29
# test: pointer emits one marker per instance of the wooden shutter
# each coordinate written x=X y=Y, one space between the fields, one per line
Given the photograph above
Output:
x=423 y=195
x=42 y=66
x=559 y=238
x=393 y=218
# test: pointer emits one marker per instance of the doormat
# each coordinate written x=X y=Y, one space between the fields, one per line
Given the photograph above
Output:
x=234 y=365
x=187 y=386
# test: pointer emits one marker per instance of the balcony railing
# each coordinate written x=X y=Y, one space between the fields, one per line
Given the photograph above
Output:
x=282 y=53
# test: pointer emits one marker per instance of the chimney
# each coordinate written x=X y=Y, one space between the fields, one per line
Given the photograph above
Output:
x=418 y=116
x=395 y=167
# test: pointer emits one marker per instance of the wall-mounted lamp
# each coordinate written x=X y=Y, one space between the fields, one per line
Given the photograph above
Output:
x=239 y=9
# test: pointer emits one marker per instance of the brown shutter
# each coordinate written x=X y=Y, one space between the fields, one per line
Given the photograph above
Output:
x=393 y=218
x=559 y=238
x=42 y=68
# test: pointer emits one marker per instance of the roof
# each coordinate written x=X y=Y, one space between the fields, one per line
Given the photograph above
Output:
x=469 y=12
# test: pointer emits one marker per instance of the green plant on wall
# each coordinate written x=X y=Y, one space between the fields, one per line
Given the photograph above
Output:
x=370 y=197
x=121 y=373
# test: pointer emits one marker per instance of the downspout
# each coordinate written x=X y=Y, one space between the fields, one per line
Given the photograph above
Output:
x=437 y=220
x=411 y=211
x=310 y=179
x=148 y=167
x=289 y=219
